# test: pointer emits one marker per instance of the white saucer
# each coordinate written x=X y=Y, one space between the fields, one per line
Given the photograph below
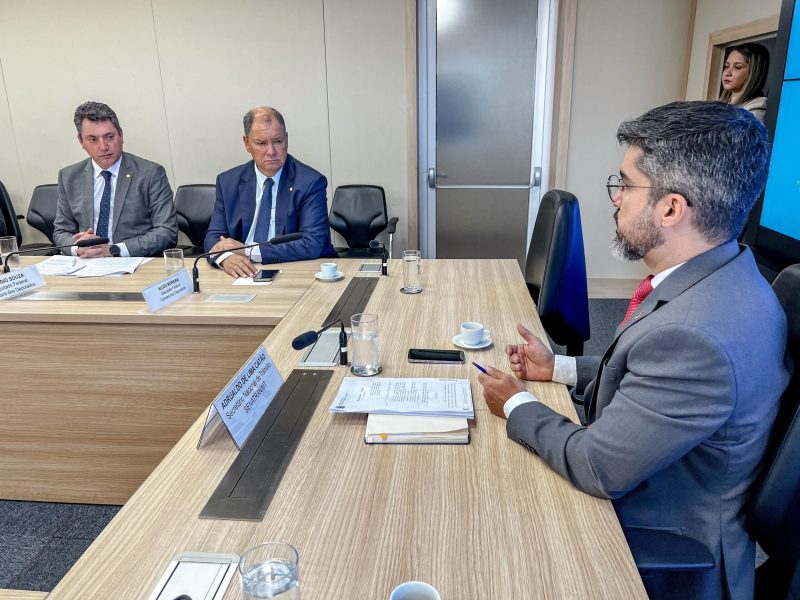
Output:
x=487 y=341
x=321 y=277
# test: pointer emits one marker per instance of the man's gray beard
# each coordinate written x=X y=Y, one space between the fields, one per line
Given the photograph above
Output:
x=646 y=236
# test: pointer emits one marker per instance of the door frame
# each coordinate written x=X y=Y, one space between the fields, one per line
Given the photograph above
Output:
x=719 y=40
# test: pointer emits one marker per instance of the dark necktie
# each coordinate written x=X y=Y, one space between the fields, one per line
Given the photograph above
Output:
x=265 y=210
x=105 y=206
x=642 y=292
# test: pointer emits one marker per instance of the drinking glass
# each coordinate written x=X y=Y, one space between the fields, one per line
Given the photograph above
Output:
x=8 y=244
x=173 y=260
x=411 y=272
x=364 y=330
x=269 y=570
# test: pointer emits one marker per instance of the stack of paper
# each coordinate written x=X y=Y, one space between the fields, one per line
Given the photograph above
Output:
x=59 y=265
x=100 y=267
x=411 y=429
x=405 y=396
x=94 y=267
x=409 y=411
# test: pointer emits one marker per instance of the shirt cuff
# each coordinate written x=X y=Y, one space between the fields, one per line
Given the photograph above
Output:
x=222 y=257
x=74 y=251
x=123 y=249
x=516 y=400
x=254 y=254
x=565 y=370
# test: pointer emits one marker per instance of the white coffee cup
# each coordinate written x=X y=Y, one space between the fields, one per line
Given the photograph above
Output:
x=472 y=333
x=328 y=269
x=415 y=590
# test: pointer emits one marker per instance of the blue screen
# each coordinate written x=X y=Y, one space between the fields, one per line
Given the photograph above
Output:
x=781 y=209
x=793 y=57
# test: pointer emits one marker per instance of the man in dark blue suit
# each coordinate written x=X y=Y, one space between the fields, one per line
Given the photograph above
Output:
x=273 y=194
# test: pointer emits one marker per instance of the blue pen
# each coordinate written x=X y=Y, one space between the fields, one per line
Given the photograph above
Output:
x=480 y=368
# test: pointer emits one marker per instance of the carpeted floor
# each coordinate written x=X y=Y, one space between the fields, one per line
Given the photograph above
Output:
x=40 y=541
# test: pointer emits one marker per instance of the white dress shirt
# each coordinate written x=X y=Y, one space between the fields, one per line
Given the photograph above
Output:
x=99 y=184
x=565 y=369
x=255 y=253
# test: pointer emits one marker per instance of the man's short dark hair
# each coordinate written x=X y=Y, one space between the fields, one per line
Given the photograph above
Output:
x=262 y=113
x=95 y=112
x=714 y=154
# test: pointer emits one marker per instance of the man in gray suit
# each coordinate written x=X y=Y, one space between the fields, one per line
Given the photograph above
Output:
x=680 y=406
x=113 y=194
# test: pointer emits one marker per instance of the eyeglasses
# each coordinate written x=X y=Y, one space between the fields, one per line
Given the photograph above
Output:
x=615 y=184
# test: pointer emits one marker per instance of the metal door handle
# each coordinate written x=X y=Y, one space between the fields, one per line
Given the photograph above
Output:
x=537 y=181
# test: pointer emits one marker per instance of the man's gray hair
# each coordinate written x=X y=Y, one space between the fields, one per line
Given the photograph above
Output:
x=714 y=154
x=262 y=113
x=96 y=111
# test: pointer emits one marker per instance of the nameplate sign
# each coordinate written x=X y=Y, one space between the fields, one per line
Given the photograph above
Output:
x=243 y=401
x=16 y=283
x=167 y=291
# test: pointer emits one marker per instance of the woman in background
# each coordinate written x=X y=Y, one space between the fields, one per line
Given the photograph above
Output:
x=744 y=76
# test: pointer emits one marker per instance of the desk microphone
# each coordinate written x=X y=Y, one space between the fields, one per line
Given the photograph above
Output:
x=374 y=244
x=278 y=239
x=304 y=340
x=87 y=243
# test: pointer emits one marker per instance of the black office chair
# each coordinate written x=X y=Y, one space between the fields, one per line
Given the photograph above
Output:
x=773 y=512
x=194 y=205
x=555 y=271
x=42 y=214
x=9 y=215
x=358 y=214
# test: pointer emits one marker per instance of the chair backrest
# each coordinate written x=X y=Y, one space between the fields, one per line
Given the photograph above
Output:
x=358 y=213
x=42 y=209
x=194 y=204
x=774 y=513
x=9 y=215
x=555 y=270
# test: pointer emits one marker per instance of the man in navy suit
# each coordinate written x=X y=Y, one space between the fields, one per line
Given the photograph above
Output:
x=273 y=194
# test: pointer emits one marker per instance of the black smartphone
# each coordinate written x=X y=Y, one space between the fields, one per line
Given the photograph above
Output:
x=425 y=355
x=266 y=275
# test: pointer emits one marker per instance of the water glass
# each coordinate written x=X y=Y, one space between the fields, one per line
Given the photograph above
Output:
x=270 y=571
x=364 y=330
x=173 y=260
x=8 y=244
x=412 y=262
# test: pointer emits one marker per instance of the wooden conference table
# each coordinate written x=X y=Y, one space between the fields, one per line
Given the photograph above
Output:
x=102 y=390
x=486 y=520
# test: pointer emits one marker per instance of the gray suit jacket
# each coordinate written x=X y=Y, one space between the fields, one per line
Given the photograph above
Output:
x=144 y=213
x=679 y=411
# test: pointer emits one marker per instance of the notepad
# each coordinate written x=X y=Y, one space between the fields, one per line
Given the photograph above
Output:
x=409 y=429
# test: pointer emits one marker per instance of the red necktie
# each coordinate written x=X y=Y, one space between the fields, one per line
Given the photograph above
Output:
x=639 y=295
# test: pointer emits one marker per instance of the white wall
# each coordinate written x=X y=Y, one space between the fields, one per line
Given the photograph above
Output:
x=716 y=15
x=629 y=57
x=181 y=74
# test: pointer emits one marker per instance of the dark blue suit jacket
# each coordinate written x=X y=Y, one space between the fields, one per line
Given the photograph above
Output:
x=301 y=207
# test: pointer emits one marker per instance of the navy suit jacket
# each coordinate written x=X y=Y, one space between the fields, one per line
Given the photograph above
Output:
x=301 y=206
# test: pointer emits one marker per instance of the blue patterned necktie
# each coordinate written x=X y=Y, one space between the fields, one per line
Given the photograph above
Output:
x=264 y=212
x=105 y=206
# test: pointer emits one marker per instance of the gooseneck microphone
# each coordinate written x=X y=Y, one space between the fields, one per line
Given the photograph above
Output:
x=304 y=340
x=374 y=244
x=87 y=243
x=278 y=239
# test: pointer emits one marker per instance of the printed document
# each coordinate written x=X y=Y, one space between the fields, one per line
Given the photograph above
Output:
x=432 y=397
x=90 y=267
